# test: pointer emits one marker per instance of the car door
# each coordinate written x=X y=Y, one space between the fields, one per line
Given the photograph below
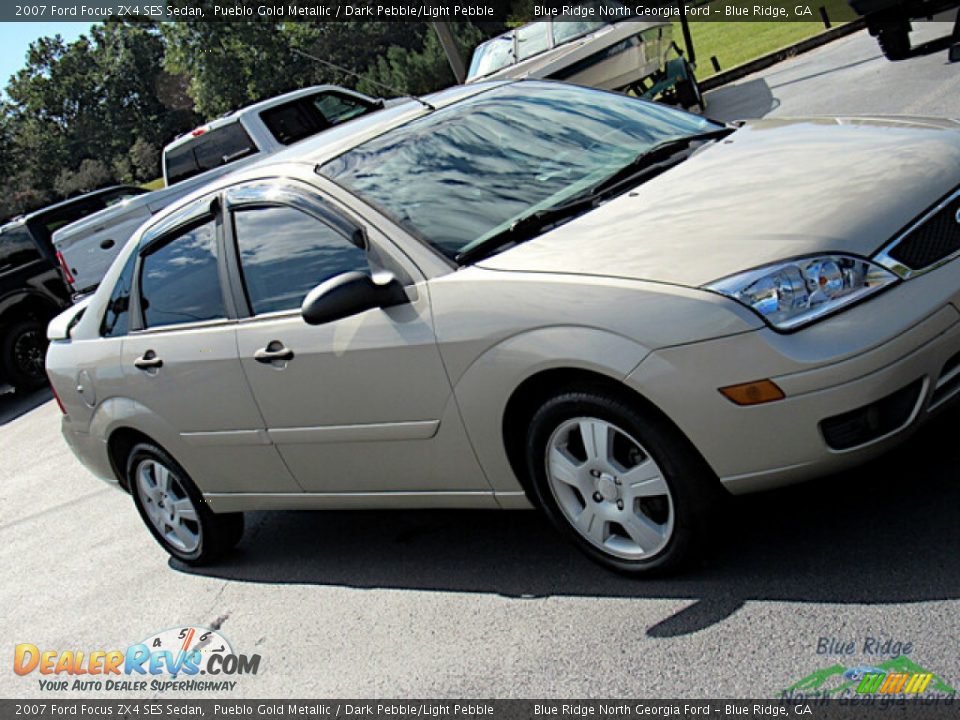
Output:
x=358 y=405
x=180 y=358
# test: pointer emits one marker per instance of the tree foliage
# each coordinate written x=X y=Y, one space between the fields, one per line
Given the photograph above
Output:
x=98 y=110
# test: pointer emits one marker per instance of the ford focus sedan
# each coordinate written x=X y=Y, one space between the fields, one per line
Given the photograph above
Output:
x=525 y=293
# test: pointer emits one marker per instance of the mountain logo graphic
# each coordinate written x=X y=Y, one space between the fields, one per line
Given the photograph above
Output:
x=898 y=676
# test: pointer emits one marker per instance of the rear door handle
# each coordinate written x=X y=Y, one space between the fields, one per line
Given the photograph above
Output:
x=107 y=244
x=273 y=352
x=148 y=361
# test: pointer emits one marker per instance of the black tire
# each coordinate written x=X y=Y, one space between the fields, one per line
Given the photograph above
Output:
x=693 y=489
x=894 y=41
x=23 y=350
x=688 y=92
x=217 y=533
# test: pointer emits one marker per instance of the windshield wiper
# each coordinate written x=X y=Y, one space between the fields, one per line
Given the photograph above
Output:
x=527 y=226
x=651 y=158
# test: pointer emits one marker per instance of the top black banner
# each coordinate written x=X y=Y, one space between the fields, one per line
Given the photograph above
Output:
x=87 y=11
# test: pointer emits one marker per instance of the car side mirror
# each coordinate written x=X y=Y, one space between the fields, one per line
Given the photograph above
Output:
x=349 y=294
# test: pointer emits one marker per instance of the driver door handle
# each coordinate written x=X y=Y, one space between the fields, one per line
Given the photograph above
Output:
x=266 y=355
x=148 y=361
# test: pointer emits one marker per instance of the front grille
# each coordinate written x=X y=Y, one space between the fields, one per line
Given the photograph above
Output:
x=860 y=426
x=937 y=237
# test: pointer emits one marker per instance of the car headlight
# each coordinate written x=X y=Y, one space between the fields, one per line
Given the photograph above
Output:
x=794 y=293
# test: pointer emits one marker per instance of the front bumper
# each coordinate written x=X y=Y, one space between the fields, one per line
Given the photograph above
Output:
x=906 y=339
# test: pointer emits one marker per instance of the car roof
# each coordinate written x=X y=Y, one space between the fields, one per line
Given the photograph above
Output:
x=22 y=219
x=235 y=115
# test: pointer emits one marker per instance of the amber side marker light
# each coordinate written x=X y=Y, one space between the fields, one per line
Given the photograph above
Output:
x=753 y=393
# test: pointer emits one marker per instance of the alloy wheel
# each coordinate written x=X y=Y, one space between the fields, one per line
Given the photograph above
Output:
x=168 y=506
x=610 y=488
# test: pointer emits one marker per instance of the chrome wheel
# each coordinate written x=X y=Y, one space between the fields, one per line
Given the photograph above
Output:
x=609 y=488
x=168 y=506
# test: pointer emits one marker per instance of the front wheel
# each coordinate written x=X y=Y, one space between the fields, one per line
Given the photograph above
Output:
x=619 y=481
x=173 y=509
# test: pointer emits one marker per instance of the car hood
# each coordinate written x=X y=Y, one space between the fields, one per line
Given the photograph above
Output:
x=772 y=190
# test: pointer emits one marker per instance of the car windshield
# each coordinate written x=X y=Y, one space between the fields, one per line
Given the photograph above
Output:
x=469 y=171
x=491 y=56
x=572 y=24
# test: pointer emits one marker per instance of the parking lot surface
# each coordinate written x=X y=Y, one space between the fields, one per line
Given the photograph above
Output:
x=488 y=604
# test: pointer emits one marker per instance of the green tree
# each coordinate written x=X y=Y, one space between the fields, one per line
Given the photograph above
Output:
x=91 y=99
x=234 y=64
x=422 y=70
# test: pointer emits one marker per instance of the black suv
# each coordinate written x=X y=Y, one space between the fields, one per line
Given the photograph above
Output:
x=32 y=290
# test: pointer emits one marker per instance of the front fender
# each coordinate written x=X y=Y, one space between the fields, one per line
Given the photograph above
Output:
x=486 y=386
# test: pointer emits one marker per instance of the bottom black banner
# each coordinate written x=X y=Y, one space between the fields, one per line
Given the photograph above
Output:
x=814 y=709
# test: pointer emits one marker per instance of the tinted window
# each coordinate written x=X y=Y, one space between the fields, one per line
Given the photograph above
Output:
x=286 y=253
x=299 y=119
x=116 y=320
x=293 y=121
x=179 y=282
x=337 y=108
x=213 y=148
x=50 y=222
x=16 y=248
x=469 y=170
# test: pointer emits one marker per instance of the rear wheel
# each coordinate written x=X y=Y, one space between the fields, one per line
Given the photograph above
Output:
x=619 y=481
x=174 y=511
x=23 y=350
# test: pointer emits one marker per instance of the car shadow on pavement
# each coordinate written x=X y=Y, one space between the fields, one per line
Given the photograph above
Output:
x=13 y=405
x=741 y=101
x=885 y=533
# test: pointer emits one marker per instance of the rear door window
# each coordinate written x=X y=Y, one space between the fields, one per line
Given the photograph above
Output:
x=220 y=146
x=180 y=281
x=17 y=248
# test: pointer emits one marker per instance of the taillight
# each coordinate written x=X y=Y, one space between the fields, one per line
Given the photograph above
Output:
x=198 y=132
x=63 y=266
x=57 y=398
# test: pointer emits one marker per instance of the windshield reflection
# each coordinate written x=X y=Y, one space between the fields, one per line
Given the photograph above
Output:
x=468 y=170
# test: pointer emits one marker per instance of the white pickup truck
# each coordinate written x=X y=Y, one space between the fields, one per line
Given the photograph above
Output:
x=86 y=248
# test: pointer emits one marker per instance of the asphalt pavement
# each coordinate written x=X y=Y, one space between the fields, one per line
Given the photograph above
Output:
x=495 y=604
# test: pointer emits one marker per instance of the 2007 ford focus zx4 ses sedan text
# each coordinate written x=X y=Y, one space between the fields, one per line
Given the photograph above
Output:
x=525 y=293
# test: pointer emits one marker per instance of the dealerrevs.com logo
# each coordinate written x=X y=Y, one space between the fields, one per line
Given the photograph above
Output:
x=192 y=659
